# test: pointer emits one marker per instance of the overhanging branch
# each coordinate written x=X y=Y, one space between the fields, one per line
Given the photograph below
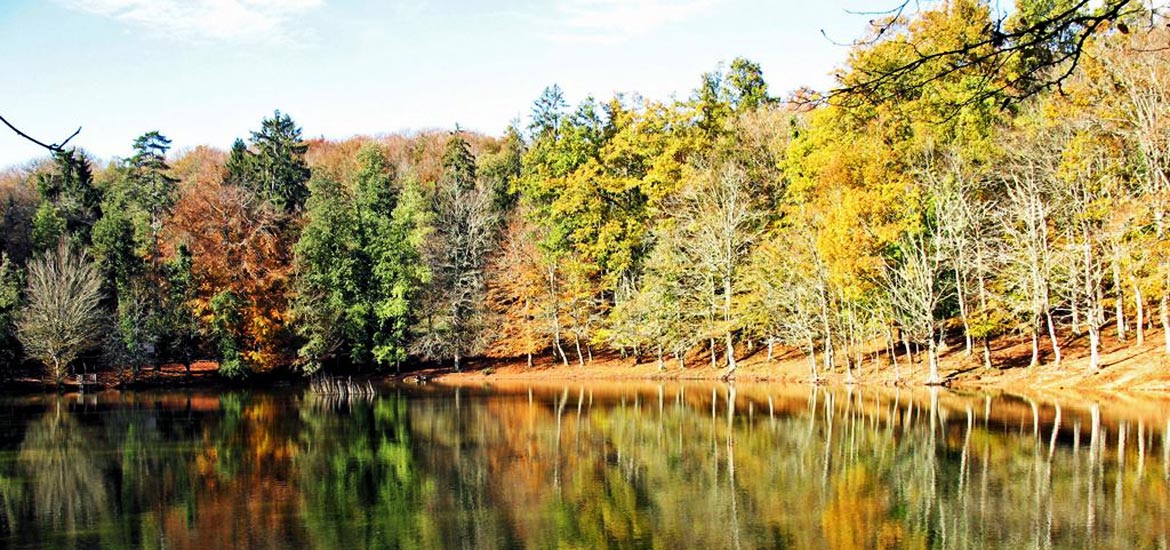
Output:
x=52 y=147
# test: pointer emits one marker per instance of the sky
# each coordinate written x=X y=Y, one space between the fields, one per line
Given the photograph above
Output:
x=204 y=72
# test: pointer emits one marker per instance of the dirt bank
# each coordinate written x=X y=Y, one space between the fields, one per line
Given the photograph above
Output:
x=1124 y=367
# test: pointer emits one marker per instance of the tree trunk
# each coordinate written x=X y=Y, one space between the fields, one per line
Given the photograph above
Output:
x=1094 y=347
x=961 y=295
x=731 y=365
x=1076 y=317
x=771 y=345
x=727 y=319
x=892 y=348
x=577 y=344
x=556 y=316
x=1052 y=337
x=530 y=359
x=933 y=379
x=1035 y=347
x=457 y=366
x=1140 y=310
x=1164 y=315
x=1119 y=303
x=661 y=366
x=986 y=352
x=714 y=354
x=812 y=362
x=909 y=352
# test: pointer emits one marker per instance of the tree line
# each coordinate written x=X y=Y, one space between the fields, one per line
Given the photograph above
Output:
x=952 y=208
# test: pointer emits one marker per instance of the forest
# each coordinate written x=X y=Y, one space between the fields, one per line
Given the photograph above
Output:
x=954 y=204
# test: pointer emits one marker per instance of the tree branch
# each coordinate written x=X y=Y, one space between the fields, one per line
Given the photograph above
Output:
x=52 y=147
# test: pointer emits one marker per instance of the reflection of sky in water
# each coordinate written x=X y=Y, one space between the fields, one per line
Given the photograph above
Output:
x=592 y=466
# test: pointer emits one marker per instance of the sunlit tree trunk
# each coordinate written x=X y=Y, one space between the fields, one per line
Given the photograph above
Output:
x=812 y=361
x=1119 y=302
x=1052 y=337
x=1140 y=311
x=556 y=314
x=1035 y=348
x=933 y=379
x=1164 y=316
x=729 y=334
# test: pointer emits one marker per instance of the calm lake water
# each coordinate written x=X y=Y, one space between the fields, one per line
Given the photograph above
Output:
x=584 y=466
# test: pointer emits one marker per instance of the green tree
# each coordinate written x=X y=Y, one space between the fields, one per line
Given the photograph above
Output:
x=357 y=267
x=745 y=84
x=501 y=169
x=274 y=167
x=458 y=163
x=10 y=285
x=281 y=173
x=69 y=200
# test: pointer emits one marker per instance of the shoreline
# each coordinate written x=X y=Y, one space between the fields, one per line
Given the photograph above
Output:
x=1126 y=368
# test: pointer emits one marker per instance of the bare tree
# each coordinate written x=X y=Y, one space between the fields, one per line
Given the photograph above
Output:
x=1140 y=70
x=464 y=235
x=785 y=300
x=1085 y=190
x=1030 y=264
x=915 y=292
x=722 y=220
x=63 y=315
x=969 y=239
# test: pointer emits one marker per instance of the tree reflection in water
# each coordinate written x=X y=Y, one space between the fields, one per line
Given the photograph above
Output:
x=61 y=465
x=587 y=466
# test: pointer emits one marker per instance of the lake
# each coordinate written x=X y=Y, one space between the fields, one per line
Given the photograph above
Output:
x=585 y=465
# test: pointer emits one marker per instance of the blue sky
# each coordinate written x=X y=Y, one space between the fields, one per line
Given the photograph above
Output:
x=207 y=71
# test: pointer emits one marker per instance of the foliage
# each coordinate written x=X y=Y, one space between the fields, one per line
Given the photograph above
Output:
x=943 y=193
x=357 y=267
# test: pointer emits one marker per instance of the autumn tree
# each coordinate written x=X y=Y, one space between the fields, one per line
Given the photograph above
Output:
x=518 y=293
x=240 y=266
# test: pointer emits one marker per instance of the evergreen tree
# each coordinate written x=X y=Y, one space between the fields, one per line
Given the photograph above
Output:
x=745 y=85
x=274 y=166
x=69 y=199
x=458 y=162
x=10 y=285
x=279 y=171
x=547 y=113
x=238 y=168
x=358 y=268
x=501 y=169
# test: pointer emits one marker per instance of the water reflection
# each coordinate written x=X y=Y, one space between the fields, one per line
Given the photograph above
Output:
x=586 y=466
x=63 y=470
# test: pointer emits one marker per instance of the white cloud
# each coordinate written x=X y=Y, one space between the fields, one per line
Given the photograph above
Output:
x=253 y=21
x=618 y=20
